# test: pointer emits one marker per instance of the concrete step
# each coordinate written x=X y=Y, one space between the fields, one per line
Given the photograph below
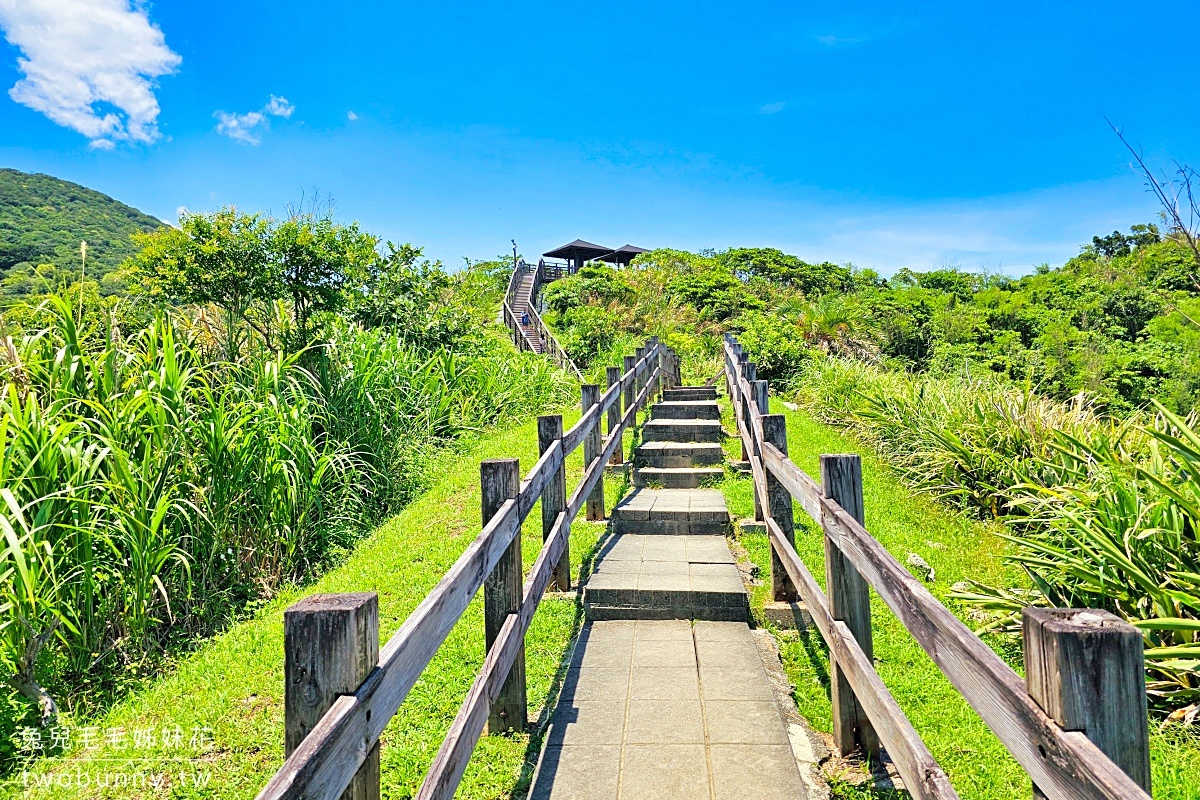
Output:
x=666 y=577
x=668 y=455
x=682 y=430
x=672 y=512
x=677 y=477
x=690 y=393
x=686 y=409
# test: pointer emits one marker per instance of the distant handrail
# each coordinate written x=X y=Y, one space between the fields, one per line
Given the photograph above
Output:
x=549 y=344
x=331 y=755
x=1062 y=763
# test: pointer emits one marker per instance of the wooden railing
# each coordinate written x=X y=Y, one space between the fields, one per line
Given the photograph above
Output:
x=341 y=690
x=1077 y=724
x=520 y=338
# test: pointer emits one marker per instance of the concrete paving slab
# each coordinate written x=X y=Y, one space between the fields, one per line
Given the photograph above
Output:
x=664 y=683
x=664 y=772
x=665 y=722
x=759 y=771
x=596 y=684
x=578 y=773
x=587 y=722
x=744 y=722
x=657 y=631
x=732 y=684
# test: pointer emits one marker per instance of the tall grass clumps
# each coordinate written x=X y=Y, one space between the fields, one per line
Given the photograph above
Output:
x=164 y=466
x=1101 y=513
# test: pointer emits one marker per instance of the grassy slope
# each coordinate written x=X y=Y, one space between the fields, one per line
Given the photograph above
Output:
x=976 y=762
x=234 y=684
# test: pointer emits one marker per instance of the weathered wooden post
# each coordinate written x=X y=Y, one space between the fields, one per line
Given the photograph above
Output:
x=779 y=502
x=759 y=389
x=740 y=409
x=331 y=644
x=639 y=380
x=628 y=363
x=849 y=602
x=554 y=499
x=590 y=394
x=612 y=377
x=500 y=480
x=1085 y=668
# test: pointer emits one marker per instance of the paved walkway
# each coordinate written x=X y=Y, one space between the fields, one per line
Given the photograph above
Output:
x=666 y=695
x=666 y=709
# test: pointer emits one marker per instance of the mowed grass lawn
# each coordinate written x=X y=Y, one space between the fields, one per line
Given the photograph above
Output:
x=229 y=693
x=958 y=549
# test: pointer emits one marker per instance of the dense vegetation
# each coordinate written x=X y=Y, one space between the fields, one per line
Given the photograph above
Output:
x=42 y=222
x=274 y=389
x=1058 y=402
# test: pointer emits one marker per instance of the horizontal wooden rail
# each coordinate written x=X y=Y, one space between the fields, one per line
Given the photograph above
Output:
x=922 y=775
x=1063 y=764
x=324 y=763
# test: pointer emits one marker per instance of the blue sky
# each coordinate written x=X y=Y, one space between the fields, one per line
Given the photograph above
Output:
x=875 y=133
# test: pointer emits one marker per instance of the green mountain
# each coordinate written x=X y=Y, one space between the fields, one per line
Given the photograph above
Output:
x=42 y=221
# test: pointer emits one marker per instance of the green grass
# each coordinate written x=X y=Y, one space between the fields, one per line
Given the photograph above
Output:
x=958 y=549
x=233 y=685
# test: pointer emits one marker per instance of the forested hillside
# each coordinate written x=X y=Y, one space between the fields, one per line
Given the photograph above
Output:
x=1117 y=322
x=42 y=221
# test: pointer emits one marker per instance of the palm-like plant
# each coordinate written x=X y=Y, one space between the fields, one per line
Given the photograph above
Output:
x=837 y=326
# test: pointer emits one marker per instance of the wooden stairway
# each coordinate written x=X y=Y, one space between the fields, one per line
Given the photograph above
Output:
x=521 y=305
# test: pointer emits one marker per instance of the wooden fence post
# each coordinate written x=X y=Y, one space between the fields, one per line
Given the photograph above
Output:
x=849 y=602
x=500 y=480
x=759 y=389
x=1085 y=668
x=639 y=380
x=554 y=499
x=590 y=394
x=331 y=644
x=612 y=376
x=627 y=363
x=740 y=372
x=779 y=500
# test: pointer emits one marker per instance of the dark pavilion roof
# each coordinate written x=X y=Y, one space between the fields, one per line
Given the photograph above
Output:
x=580 y=250
x=623 y=255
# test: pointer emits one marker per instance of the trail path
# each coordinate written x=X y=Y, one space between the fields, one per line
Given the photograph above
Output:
x=667 y=694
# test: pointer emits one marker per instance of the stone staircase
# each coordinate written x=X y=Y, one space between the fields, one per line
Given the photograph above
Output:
x=666 y=695
x=668 y=558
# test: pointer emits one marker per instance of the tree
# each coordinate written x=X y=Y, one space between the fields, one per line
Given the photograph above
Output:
x=220 y=258
x=314 y=258
x=246 y=263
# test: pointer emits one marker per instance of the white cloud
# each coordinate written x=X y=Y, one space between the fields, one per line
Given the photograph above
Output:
x=350 y=115
x=89 y=65
x=247 y=128
x=772 y=108
x=279 y=107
